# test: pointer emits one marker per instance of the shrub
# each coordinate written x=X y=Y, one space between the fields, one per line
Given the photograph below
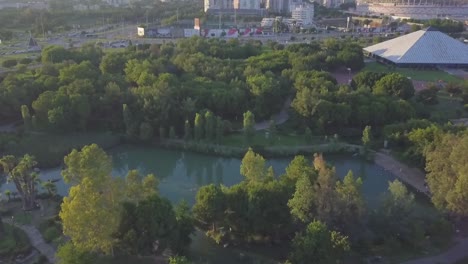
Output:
x=25 y=61
x=9 y=63
x=51 y=233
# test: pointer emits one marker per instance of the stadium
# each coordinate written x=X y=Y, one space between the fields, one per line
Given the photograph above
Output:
x=417 y=9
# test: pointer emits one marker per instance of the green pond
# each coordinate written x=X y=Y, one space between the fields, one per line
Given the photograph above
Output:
x=182 y=173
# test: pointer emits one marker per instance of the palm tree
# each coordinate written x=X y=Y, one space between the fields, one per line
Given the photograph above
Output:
x=21 y=172
x=8 y=194
x=50 y=187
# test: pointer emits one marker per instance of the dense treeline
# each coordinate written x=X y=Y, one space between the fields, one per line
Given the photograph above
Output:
x=267 y=208
x=62 y=17
x=163 y=85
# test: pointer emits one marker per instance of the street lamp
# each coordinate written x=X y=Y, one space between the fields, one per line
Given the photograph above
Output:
x=349 y=75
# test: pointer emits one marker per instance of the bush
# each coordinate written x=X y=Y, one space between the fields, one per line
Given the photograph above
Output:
x=51 y=234
x=9 y=63
x=41 y=260
x=25 y=61
x=14 y=242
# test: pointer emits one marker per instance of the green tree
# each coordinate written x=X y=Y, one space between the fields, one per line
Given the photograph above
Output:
x=162 y=133
x=326 y=198
x=394 y=84
x=69 y=254
x=128 y=120
x=302 y=203
x=253 y=167
x=272 y=131
x=179 y=260
x=146 y=131
x=9 y=63
x=366 y=79
x=138 y=188
x=447 y=178
x=351 y=205
x=308 y=135
x=185 y=227
x=367 y=137
x=319 y=244
x=147 y=226
x=299 y=167
x=209 y=205
x=21 y=173
x=210 y=125
x=90 y=227
x=172 y=133
x=26 y=118
x=50 y=187
x=187 y=131
x=219 y=130
x=199 y=126
x=396 y=219
x=249 y=126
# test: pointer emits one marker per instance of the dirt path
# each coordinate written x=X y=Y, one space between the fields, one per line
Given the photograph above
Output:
x=279 y=118
x=411 y=176
x=37 y=241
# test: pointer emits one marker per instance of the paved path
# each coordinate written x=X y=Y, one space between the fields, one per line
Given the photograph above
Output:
x=8 y=128
x=36 y=240
x=411 y=176
x=279 y=118
x=454 y=254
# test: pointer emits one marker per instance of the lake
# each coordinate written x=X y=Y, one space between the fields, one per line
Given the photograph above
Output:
x=182 y=173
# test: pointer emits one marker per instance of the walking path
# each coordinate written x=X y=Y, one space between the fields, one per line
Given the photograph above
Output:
x=416 y=178
x=411 y=176
x=36 y=239
x=279 y=118
x=452 y=255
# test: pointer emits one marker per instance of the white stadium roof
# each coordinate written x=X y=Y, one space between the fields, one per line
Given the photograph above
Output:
x=427 y=46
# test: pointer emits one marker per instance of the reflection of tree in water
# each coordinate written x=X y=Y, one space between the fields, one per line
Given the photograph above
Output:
x=199 y=177
x=209 y=174
x=119 y=162
x=362 y=170
x=219 y=172
x=160 y=162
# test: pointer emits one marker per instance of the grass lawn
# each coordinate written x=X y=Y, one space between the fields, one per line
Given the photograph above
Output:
x=417 y=75
x=447 y=108
x=49 y=149
x=14 y=242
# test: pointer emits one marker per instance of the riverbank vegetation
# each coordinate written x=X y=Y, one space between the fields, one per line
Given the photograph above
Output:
x=212 y=96
x=268 y=208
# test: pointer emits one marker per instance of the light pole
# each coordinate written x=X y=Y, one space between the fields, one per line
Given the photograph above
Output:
x=349 y=75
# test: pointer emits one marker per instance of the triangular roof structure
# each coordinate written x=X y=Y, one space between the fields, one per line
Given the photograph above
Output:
x=32 y=42
x=427 y=46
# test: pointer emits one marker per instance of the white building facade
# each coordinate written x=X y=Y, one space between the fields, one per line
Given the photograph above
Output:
x=303 y=13
x=231 y=4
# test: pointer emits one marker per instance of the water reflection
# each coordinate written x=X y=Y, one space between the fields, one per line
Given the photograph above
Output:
x=182 y=173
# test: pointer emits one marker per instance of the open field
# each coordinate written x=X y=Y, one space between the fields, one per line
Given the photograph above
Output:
x=414 y=74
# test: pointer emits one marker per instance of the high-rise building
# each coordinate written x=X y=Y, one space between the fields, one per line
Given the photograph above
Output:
x=277 y=6
x=303 y=13
x=246 y=4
